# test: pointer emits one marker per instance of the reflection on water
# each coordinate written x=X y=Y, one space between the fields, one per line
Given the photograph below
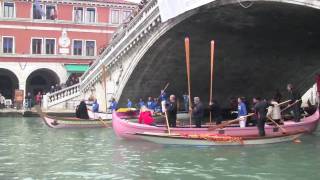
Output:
x=30 y=150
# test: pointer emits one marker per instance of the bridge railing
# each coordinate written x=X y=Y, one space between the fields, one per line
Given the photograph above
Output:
x=63 y=95
x=113 y=49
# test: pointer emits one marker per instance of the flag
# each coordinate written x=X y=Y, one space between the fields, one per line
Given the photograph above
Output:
x=39 y=8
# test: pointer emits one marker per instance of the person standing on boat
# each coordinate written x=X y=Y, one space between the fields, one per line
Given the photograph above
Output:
x=113 y=105
x=185 y=101
x=260 y=108
x=141 y=103
x=294 y=97
x=82 y=111
x=197 y=111
x=150 y=103
x=163 y=98
x=95 y=106
x=145 y=116
x=172 y=111
x=242 y=111
x=156 y=105
x=129 y=104
x=274 y=111
x=215 y=110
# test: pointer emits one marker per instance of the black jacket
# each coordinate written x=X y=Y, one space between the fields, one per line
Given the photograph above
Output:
x=261 y=109
x=172 y=110
x=82 y=111
x=198 y=110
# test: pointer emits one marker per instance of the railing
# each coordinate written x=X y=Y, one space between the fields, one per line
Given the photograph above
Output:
x=112 y=50
x=63 y=95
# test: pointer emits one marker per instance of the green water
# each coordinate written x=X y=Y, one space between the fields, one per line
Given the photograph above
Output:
x=30 y=150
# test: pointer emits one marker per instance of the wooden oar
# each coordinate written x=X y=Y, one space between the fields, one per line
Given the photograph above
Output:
x=280 y=104
x=228 y=122
x=104 y=84
x=291 y=105
x=43 y=115
x=284 y=131
x=284 y=102
x=39 y=111
x=211 y=73
x=187 y=48
x=167 y=85
x=165 y=113
x=100 y=119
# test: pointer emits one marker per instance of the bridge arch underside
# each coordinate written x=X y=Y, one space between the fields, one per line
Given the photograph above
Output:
x=258 y=50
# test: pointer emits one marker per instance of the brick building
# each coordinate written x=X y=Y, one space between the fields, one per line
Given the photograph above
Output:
x=46 y=42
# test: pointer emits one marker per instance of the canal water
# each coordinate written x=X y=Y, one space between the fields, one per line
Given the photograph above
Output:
x=30 y=150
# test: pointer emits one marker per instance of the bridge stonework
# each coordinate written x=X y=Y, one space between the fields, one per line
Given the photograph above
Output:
x=131 y=43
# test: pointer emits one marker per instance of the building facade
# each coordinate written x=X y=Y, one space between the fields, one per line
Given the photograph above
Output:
x=46 y=42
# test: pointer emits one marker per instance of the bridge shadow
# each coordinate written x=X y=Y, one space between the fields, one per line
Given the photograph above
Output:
x=258 y=50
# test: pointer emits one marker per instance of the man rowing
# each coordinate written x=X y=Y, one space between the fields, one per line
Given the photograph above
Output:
x=294 y=98
x=197 y=112
x=171 y=109
x=260 y=108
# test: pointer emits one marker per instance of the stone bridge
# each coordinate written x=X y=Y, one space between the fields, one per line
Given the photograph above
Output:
x=261 y=46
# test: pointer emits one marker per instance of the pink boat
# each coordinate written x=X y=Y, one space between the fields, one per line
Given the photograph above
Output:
x=125 y=129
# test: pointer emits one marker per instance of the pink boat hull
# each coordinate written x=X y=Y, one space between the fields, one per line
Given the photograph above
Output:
x=126 y=129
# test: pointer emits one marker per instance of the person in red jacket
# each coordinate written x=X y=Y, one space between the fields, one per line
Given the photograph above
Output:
x=145 y=116
x=38 y=98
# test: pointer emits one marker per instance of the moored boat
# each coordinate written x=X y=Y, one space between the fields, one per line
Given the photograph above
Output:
x=56 y=122
x=67 y=122
x=124 y=128
x=99 y=115
x=215 y=140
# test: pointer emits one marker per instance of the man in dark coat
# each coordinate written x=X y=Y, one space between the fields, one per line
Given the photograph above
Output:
x=197 y=112
x=294 y=97
x=172 y=111
x=82 y=111
x=215 y=110
x=260 y=108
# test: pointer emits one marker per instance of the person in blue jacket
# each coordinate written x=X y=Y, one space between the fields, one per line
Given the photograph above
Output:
x=113 y=105
x=141 y=103
x=129 y=104
x=150 y=103
x=95 y=106
x=242 y=111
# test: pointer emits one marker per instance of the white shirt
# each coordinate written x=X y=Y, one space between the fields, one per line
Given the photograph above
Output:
x=274 y=111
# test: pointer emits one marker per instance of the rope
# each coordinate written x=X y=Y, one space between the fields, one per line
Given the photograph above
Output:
x=250 y=3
